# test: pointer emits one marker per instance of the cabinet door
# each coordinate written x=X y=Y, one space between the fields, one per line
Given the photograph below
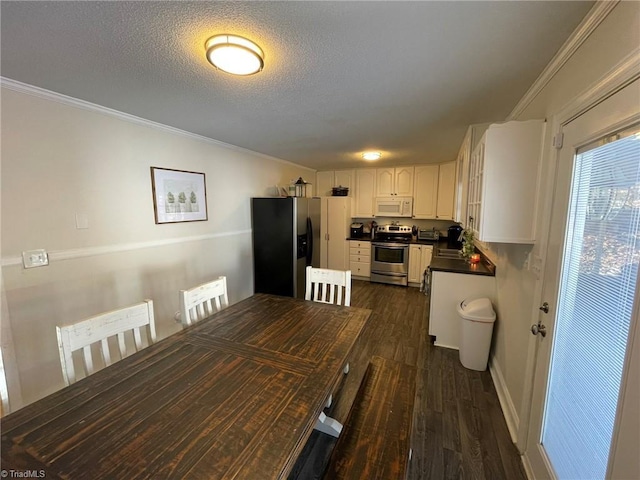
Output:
x=385 y=179
x=425 y=258
x=446 y=191
x=344 y=178
x=462 y=180
x=475 y=189
x=337 y=225
x=324 y=183
x=425 y=192
x=365 y=192
x=415 y=258
x=404 y=181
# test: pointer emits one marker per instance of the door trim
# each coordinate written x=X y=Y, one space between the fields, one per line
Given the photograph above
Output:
x=618 y=77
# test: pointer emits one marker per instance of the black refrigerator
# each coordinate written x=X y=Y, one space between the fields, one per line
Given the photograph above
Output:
x=286 y=239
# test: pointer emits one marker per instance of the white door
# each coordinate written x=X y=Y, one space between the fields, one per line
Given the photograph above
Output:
x=589 y=284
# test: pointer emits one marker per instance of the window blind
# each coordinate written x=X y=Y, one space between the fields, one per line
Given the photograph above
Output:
x=599 y=274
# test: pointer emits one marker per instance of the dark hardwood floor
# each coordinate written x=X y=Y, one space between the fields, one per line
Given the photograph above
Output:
x=458 y=427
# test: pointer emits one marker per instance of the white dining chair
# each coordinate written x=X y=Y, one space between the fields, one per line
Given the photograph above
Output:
x=204 y=300
x=99 y=328
x=328 y=286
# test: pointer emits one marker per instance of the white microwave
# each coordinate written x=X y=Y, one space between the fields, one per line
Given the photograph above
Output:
x=394 y=207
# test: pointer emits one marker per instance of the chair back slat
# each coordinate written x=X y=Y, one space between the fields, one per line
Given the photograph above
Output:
x=98 y=329
x=328 y=286
x=106 y=355
x=203 y=301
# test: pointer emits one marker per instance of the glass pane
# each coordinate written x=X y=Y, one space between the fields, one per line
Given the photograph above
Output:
x=389 y=255
x=599 y=273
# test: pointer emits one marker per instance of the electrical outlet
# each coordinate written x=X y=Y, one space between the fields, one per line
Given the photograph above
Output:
x=35 y=258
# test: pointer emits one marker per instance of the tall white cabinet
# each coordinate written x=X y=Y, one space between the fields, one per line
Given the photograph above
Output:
x=335 y=221
x=503 y=182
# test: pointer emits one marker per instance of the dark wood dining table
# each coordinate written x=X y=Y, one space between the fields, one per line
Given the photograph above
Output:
x=234 y=396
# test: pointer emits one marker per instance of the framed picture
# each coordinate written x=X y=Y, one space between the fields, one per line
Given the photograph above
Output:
x=178 y=195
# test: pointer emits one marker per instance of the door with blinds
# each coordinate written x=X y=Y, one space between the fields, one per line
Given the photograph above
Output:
x=590 y=290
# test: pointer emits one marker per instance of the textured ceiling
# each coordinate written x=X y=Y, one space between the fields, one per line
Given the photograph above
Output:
x=405 y=78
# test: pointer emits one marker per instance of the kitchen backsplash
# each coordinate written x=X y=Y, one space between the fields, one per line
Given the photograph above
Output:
x=440 y=225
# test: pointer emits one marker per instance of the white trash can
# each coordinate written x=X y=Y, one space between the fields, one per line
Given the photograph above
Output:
x=477 y=317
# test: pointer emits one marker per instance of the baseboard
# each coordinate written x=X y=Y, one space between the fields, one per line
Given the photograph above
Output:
x=508 y=409
x=526 y=464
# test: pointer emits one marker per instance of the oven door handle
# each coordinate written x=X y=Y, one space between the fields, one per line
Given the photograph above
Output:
x=403 y=247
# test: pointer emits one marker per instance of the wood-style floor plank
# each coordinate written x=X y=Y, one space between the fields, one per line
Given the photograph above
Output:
x=458 y=427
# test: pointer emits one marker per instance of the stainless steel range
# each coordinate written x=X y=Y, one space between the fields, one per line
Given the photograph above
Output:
x=390 y=254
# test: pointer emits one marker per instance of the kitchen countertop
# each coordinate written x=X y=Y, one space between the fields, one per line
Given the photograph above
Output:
x=413 y=242
x=440 y=264
x=453 y=265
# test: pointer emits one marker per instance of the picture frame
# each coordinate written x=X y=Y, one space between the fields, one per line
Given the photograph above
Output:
x=178 y=195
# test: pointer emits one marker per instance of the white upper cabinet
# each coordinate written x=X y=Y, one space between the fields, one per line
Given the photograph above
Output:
x=325 y=181
x=471 y=139
x=394 y=181
x=345 y=178
x=425 y=196
x=365 y=189
x=446 y=191
x=434 y=191
x=503 y=182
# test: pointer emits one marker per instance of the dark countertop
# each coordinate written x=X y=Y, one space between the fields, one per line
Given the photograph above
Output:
x=453 y=265
x=413 y=242
x=484 y=267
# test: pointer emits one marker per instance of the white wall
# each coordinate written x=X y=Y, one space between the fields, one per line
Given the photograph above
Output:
x=59 y=160
x=613 y=40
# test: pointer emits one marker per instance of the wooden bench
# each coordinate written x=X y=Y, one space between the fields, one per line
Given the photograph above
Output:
x=375 y=440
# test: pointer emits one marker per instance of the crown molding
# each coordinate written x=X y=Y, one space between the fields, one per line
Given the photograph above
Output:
x=588 y=25
x=92 y=107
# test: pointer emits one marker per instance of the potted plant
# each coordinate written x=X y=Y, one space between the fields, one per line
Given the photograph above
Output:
x=468 y=247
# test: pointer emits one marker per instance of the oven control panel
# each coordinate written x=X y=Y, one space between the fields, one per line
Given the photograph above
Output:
x=394 y=229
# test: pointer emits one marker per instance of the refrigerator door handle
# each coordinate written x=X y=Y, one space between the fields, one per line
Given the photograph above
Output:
x=309 y=241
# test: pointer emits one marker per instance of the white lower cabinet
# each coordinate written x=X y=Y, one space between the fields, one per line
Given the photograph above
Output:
x=419 y=260
x=360 y=258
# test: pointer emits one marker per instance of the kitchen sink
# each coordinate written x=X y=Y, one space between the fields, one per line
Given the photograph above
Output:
x=448 y=253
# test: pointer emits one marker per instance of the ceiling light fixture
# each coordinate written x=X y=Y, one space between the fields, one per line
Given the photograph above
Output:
x=371 y=155
x=234 y=54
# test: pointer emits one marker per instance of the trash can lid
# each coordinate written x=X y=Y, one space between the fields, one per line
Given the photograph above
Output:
x=477 y=310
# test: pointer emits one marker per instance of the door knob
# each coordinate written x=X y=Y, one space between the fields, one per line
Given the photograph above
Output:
x=539 y=329
x=545 y=307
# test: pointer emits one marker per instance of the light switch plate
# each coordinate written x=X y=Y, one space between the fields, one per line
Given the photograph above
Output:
x=35 y=258
x=82 y=221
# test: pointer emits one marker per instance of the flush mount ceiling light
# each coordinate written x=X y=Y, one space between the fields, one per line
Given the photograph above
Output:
x=371 y=155
x=234 y=54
